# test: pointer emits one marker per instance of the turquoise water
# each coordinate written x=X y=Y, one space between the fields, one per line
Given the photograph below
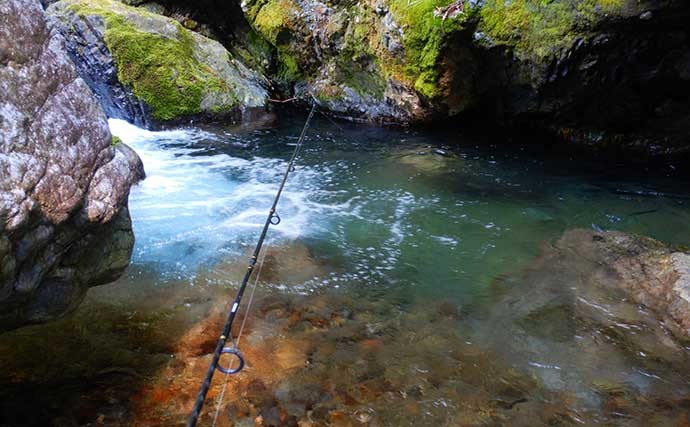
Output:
x=207 y=194
x=382 y=205
x=406 y=258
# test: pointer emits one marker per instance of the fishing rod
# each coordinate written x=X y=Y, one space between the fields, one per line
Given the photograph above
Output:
x=272 y=219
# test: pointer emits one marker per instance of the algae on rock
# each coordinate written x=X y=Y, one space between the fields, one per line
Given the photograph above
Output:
x=424 y=38
x=537 y=28
x=371 y=60
x=175 y=71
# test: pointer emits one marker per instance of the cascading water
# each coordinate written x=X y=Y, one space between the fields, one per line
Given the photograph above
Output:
x=197 y=207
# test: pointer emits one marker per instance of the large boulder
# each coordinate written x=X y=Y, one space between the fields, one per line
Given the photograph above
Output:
x=64 y=181
x=598 y=315
x=142 y=64
x=374 y=60
x=610 y=74
x=632 y=289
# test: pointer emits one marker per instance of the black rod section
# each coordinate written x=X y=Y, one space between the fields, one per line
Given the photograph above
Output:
x=194 y=417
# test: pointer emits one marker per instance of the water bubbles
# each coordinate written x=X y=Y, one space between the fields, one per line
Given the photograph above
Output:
x=613 y=219
x=544 y=366
x=204 y=205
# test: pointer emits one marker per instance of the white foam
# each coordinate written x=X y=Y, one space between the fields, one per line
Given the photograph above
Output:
x=193 y=207
x=131 y=134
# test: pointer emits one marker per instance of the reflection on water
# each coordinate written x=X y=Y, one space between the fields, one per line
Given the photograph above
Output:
x=407 y=284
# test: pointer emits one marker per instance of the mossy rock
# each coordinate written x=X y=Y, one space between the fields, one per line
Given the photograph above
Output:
x=280 y=23
x=175 y=71
x=426 y=35
x=274 y=16
x=538 y=28
x=378 y=60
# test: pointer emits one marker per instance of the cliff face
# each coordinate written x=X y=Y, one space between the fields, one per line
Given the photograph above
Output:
x=609 y=73
x=598 y=71
x=613 y=76
x=370 y=60
x=64 y=181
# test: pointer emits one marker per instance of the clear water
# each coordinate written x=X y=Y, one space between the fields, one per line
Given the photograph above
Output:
x=406 y=258
x=381 y=202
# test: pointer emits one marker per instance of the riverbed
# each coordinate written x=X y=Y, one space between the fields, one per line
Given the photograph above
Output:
x=401 y=287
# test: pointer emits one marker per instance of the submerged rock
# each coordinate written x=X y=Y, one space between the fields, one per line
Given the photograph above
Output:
x=380 y=364
x=426 y=160
x=64 y=181
x=290 y=266
x=140 y=62
x=649 y=271
x=601 y=294
x=584 y=317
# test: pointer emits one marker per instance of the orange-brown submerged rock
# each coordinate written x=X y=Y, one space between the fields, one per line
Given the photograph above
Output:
x=290 y=264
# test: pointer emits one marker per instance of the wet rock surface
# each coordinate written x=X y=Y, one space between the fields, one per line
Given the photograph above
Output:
x=599 y=295
x=614 y=81
x=653 y=274
x=96 y=66
x=364 y=63
x=608 y=75
x=64 y=225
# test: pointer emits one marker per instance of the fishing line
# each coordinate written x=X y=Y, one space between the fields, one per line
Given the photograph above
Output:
x=272 y=219
x=239 y=334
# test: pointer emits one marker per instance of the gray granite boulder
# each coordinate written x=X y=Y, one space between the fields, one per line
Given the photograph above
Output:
x=64 y=181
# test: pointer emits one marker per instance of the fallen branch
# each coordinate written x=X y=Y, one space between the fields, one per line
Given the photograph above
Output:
x=282 y=101
x=451 y=11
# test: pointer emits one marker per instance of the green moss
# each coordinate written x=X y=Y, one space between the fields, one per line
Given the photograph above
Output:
x=255 y=51
x=329 y=93
x=425 y=36
x=540 y=27
x=288 y=67
x=275 y=21
x=356 y=58
x=357 y=36
x=591 y=10
x=273 y=17
x=115 y=141
x=360 y=78
x=162 y=71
